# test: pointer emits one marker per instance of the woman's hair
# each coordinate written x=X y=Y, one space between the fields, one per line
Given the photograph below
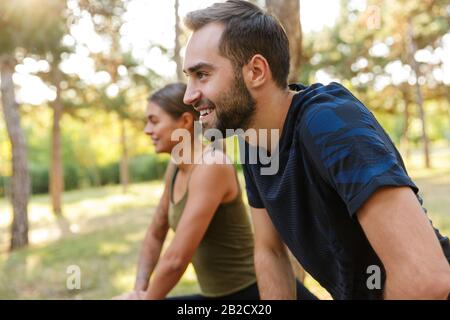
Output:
x=170 y=99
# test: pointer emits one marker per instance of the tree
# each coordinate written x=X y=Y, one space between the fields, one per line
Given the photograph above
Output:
x=56 y=171
x=55 y=78
x=25 y=29
x=412 y=49
x=177 y=49
x=20 y=181
x=367 y=47
x=411 y=26
x=107 y=19
x=288 y=12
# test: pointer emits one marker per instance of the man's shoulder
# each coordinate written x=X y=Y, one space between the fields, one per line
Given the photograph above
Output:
x=307 y=92
x=326 y=108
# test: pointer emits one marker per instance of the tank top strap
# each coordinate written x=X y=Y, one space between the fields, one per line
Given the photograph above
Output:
x=172 y=183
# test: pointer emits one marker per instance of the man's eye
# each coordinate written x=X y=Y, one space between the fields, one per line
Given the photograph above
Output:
x=201 y=75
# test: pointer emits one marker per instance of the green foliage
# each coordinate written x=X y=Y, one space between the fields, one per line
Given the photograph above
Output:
x=72 y=176
x=147 y=167
x=4 y=181
x=142 y=168
x=90 y=150
x=39 y=174
x=35 y=26
x=109 y=174
x=346 y=52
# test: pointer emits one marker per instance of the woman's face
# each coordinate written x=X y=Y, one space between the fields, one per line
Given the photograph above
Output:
x=159 y=127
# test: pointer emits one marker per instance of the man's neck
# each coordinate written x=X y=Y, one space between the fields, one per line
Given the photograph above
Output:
x=271 y=111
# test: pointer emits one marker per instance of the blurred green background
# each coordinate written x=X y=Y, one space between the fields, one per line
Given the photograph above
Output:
x=75 y=76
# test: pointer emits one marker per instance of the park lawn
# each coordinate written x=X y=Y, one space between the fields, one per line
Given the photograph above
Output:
x=107 y=228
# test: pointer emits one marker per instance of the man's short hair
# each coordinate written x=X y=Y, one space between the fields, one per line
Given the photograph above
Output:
x=248 y=31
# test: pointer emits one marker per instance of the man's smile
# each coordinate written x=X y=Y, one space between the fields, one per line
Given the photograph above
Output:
x=206 y=114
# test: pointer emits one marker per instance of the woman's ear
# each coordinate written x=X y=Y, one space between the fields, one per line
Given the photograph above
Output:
x=256 y=72
x=187 y=120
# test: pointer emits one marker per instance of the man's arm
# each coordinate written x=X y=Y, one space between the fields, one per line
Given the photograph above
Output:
x=402 y=236
x=154 y=237
x=274 y=272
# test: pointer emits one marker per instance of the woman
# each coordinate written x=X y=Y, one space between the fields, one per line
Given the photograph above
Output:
x=202 y=202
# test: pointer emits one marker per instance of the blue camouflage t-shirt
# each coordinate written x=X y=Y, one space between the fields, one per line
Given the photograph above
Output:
x=333 y=155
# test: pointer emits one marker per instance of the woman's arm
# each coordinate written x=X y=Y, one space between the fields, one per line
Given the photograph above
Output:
x=207 y=187
x=155 y=236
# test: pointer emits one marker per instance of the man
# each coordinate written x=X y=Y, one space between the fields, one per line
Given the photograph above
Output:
x=341 y=200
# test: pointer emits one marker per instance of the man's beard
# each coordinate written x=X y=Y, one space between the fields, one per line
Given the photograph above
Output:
x=235 y=108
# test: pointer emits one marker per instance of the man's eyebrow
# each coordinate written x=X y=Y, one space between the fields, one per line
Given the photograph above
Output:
x=198 y=66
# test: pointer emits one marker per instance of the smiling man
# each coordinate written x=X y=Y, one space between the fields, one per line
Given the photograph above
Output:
x=341 y=200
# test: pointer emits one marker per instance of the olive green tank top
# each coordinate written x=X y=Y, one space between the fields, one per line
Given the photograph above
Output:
x=223 y=260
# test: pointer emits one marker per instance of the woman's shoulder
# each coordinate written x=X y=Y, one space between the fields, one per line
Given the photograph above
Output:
x=214 y=155
x=214 y=164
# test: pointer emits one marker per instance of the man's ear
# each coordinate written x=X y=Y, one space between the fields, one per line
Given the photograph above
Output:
x=256 y=72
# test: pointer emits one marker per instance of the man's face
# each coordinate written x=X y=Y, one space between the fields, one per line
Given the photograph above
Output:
x=215 y=88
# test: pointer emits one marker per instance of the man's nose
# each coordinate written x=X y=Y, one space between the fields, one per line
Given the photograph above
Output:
x=191 y=95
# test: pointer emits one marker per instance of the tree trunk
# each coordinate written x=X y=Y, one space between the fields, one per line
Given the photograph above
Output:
x=447 y=101
x=124 y=174
x=426 y=148
x=419 y=98
x=56 y=172
x=177 y=50
x=20 y=180
x=288 y=12
x=404 y=141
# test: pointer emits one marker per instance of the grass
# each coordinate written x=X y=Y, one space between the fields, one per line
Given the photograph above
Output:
x=108 y=227
x=107 y=230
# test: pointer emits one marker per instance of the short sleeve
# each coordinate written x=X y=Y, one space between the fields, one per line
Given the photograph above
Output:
x=350 y=149
x=254 y=200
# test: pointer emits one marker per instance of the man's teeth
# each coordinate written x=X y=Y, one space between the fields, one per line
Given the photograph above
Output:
x=205 y=112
